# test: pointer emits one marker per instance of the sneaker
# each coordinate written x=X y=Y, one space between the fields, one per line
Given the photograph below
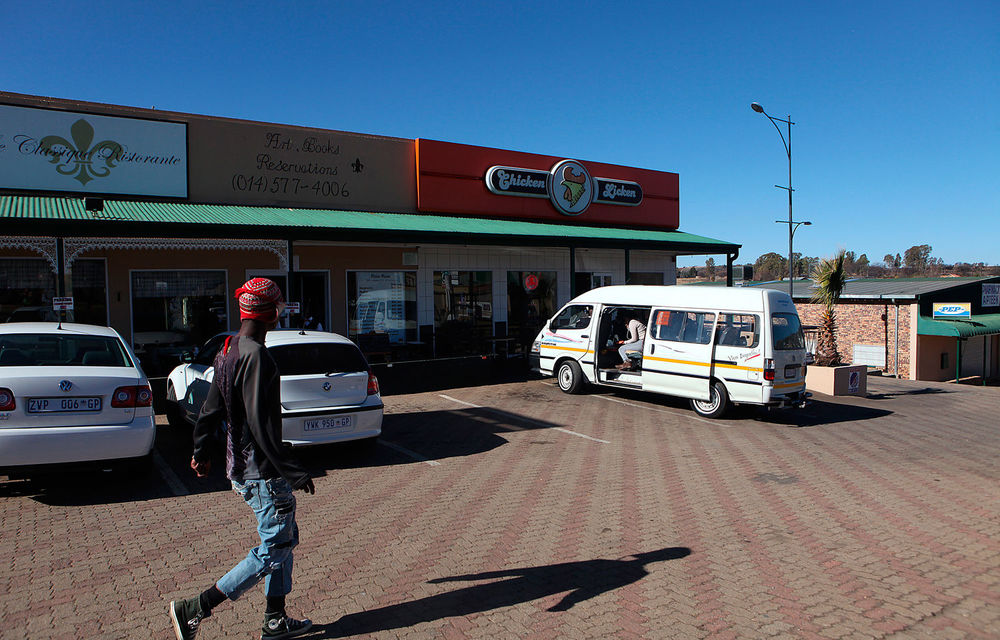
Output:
x=284 y=627
x=186 y=615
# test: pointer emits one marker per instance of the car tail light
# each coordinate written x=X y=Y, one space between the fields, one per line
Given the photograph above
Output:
x=7 y=402
x=372 y=383
x=769 y=369
x=131 y=397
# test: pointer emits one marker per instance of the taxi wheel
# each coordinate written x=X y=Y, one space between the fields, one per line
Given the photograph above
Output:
x=717 y=404
x=570 y=377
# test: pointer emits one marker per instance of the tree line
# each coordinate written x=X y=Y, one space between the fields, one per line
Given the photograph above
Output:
x=915 y=262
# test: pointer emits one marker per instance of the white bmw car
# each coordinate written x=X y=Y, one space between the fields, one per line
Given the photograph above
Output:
x=74 y=393
x=328 y=391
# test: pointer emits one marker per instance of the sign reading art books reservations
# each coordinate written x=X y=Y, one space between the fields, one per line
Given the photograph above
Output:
x=51 y=150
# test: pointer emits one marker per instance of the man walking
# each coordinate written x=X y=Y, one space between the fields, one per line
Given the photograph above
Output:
x=245 y=396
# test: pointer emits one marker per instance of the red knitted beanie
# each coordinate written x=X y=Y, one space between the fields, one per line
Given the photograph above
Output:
x=259 y=300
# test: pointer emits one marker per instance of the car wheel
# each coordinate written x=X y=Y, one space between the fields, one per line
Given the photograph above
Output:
x=173 y=410
x=717 y=404
x=570 y=377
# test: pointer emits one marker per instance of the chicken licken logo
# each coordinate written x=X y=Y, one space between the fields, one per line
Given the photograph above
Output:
x=568 y=185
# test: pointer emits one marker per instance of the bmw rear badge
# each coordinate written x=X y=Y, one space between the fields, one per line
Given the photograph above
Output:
x=65 y=385
x=326 y=386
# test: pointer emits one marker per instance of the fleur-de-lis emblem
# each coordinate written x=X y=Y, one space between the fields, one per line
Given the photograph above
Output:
x=82 y=159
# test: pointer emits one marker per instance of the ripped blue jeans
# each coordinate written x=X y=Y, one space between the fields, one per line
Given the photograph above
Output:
x=273 y=503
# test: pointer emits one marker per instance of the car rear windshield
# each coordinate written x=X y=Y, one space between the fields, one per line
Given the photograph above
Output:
x=318 y=358
x=56 y=350
x=787 y=332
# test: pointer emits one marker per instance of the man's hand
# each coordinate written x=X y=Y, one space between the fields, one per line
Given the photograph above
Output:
x=201 y=469
x=308 y=487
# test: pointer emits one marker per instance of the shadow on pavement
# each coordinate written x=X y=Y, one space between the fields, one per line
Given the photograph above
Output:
x=818 y=413
x=910 y=392
x=430 y=435
x=584 y=580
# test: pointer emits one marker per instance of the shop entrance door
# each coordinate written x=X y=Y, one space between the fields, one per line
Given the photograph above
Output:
x=312 y=293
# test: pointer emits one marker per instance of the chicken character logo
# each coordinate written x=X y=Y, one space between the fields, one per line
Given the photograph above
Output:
x=576 y=188
x=575 y=185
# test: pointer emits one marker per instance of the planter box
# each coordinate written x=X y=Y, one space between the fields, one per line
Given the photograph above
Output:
x=846 y=380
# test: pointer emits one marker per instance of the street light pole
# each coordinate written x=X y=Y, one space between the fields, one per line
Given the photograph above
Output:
x=788 y=151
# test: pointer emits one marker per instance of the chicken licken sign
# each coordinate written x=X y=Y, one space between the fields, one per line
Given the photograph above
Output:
x=50 y=150
x=466 y=180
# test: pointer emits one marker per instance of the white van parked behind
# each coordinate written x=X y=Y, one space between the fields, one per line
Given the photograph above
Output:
x=715 y=346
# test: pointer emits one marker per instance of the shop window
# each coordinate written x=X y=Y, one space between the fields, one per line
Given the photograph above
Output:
x=174 y=312
x=382 y=308
x=463 y=312
x=27 y=286
x=531 y=301
x=90 y=300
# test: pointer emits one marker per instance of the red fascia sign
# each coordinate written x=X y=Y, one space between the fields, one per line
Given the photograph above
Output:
x=480 y=181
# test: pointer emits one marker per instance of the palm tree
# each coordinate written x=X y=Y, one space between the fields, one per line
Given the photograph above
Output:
x=830 y=279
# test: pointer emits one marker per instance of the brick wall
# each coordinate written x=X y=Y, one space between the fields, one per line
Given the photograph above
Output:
x=862 y=323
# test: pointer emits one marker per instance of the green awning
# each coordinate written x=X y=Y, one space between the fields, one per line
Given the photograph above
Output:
x=36 y=215
x=978 y=325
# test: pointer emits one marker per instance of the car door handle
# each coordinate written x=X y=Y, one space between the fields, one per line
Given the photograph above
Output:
x=652 y=349
x=585 y=336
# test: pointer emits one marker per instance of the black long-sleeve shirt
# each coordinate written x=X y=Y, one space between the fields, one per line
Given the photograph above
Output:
x=246 y=395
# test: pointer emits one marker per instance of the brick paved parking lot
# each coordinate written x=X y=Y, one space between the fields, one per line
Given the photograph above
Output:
x=515 y=511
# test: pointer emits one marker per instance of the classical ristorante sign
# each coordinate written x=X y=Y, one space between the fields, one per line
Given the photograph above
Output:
x=568 y=184
x=53 y=150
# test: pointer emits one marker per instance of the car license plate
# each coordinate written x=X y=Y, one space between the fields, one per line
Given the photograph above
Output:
x=792 y=370
x=61 y=405
x=323 y=424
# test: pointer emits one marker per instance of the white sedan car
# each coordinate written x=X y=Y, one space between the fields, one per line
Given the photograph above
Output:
x=71 y=393
x=328 y=391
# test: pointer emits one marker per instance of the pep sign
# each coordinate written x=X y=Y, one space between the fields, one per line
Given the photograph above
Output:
x=952 y=310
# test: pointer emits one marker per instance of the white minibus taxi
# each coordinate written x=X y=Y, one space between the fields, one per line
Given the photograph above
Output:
x=716 y=346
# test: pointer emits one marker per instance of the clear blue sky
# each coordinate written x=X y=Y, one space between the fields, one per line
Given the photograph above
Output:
x=896 y=104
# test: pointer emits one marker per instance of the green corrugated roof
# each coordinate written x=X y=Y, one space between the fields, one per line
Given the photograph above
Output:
x=977 y=325
x=72 y=209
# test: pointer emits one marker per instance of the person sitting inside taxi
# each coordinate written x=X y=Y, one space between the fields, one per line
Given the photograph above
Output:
x=636 y=338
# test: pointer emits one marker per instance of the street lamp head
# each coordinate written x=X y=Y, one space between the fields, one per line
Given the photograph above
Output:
x=756 y=107
x=807 y=223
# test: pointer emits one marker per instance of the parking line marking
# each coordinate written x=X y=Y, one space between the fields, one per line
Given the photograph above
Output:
x=522 y=418
x=673 y=413
x=580 y=435
x=413 y=454
x=175 y=484
x=468 y=404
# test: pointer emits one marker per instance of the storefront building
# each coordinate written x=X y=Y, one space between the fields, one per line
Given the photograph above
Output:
x=934 y=329
x=413 y=248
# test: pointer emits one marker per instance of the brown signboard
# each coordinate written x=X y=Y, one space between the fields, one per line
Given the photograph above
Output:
x=227 y=161
x=271 y=165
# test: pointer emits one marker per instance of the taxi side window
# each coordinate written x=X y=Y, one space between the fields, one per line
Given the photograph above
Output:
x=683 y=326
x=575 y=316
x=738 y=330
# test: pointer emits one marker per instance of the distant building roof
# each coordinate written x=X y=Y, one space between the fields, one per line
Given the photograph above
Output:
x=877 y=288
